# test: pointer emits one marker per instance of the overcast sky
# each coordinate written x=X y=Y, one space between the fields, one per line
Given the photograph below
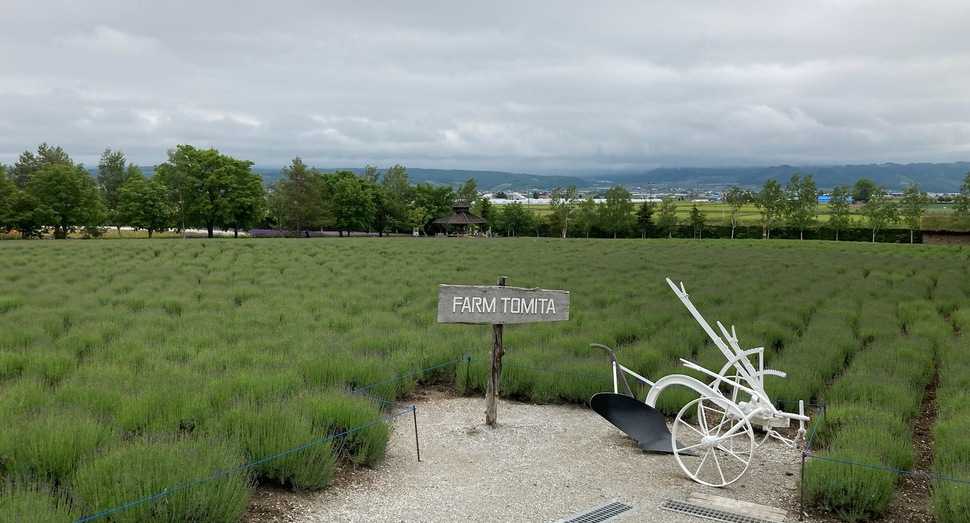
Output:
x=523 y=86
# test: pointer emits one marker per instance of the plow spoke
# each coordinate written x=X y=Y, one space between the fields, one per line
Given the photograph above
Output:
x=720 y=434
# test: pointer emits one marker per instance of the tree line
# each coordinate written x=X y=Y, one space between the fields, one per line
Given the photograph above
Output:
x=794 y=205
x=202 y=188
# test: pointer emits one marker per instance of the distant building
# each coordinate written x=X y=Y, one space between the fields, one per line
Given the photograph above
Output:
x=461 y=217
x=827 y=198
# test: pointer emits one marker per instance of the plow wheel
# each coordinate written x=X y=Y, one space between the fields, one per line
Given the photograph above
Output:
x=721 y=436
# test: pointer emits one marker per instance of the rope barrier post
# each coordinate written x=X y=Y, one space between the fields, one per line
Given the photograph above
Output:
x=417 y=446
x=801 y=503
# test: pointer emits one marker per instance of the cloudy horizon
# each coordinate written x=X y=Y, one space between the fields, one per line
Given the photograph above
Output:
x=539 y=86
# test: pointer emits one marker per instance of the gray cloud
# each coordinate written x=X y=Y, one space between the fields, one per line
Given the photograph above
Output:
x=526 y=86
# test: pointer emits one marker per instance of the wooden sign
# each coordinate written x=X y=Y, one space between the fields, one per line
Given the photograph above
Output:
x=500 y=305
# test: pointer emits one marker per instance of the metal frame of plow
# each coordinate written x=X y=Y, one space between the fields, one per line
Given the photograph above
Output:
x=713 y=436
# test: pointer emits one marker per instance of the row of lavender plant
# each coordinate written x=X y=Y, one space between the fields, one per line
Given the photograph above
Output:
x=951 y=456
x=873 y=405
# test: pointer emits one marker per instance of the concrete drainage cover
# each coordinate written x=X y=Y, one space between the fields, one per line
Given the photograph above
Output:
x=610 y=511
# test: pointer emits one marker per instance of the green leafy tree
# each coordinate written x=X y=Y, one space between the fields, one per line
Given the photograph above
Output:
x=771 y=203
x=144 y=203
x=67 y=197
x=397 y=196
x=801 y=198
x=667 y=220
x=25 y=215
x=880 y=210
x=246 y=201
x=912 y=207
x=540 y=224
x=616 y=211
x=515 y=219
x=419 y=217
x=209 y=188
x=436 y=202
x=113 y=171
x=298 y=200
x=698 y=221
x=645 y=218
x=839 y=210
x=468 y=191
x=736 y=198
x=8 y=191
x=371 y=174
x=111 y=176
x=586 y=216
x=379 y=222
x=562 y=201
x=863 y=189
x=962 y=199
x=485 y=209
x=353 y=204
x=176 y=174
x=194 y=178
x=29 y=163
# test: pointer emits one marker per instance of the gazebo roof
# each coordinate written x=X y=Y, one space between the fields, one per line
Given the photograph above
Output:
x=460 y=215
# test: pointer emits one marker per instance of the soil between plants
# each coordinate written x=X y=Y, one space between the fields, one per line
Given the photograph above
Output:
x=539 y=463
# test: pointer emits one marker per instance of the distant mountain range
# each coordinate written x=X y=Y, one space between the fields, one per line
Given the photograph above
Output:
x=931 y=177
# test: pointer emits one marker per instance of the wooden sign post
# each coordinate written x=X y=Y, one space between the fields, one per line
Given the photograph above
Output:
x=498 y=306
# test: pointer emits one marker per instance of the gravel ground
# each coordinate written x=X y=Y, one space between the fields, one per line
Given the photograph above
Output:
x=539 y=463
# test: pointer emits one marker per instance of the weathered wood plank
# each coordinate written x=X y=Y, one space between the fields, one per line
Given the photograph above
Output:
x=741 y=507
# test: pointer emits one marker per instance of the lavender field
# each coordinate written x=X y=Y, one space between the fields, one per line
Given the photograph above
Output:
x=128 y=367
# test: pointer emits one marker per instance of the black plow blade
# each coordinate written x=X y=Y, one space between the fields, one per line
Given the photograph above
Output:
x=637 y=419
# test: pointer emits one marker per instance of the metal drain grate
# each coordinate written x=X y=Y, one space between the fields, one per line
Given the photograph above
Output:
x=715 y=514
x=606 y=512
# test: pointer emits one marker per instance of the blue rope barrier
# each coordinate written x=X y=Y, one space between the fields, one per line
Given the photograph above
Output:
x=407 y=408
x=408 y=375
x=887 y=469
x=401 y=377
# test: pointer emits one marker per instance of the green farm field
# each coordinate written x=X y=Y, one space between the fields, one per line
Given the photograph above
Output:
x=131 y=367
x=937 y=216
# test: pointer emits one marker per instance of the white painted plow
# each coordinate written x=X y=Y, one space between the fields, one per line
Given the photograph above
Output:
x=712 y=437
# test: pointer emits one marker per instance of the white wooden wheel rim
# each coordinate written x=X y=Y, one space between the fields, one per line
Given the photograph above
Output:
x=723 y=440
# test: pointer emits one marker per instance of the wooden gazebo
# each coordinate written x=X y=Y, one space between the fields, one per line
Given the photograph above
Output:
x=461 y=217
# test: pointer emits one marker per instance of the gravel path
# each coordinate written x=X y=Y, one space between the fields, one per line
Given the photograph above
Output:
x=541 y=463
